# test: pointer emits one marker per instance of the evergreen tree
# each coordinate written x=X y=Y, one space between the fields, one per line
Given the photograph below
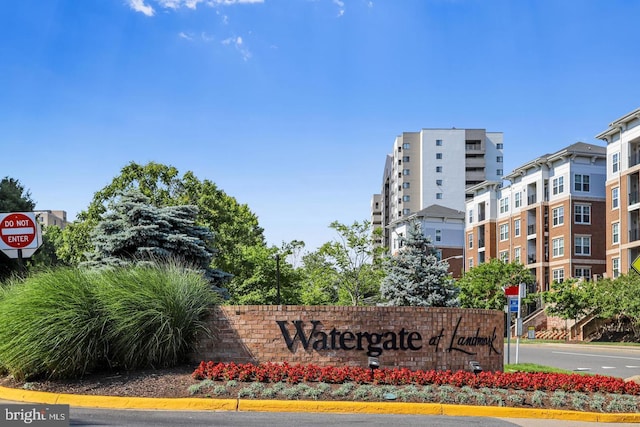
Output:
x=134 y=231
x=13 y=198
x=415 y=276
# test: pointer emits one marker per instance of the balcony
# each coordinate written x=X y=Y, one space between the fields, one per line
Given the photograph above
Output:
x=634 y=234
x=531 y=199
x=634 y=197
x=634 y=159
x=481 y=216
x=531 y=259
x=481 y=243
x=531 y=229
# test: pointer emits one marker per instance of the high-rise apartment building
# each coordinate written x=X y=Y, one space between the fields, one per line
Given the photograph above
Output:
x=549 y=218
x=434 y=167
x=623 y=192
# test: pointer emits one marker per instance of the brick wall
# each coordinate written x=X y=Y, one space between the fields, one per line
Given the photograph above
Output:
x=411 y=337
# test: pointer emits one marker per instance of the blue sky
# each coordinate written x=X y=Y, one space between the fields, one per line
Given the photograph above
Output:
x=290 y=106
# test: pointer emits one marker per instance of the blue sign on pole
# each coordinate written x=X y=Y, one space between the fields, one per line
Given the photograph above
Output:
x=513 y=305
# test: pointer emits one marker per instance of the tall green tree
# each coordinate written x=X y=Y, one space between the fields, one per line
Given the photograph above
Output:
x=13 y=198
x=267 y=270
x=319 y=280
x=618 y=299
x=354 y=258
x=415 y=276
x=570 y=299
x=234 y=225
x=483 y=285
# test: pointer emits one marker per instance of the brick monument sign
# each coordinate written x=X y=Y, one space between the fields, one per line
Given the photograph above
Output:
x=409 y=337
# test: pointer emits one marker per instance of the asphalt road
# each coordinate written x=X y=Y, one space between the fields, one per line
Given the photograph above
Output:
x=615 y=361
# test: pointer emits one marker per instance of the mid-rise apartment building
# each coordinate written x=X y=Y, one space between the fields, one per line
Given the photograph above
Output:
x=622 y=220
x=52 y=217
x=549 y=218
x=434 y=167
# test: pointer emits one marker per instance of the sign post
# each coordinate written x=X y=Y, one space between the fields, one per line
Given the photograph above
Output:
x=20 y=234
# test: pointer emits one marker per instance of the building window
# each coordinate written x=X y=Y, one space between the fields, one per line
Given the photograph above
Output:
x=558 y=247
x=516 y=227
x=499 y=159
x=499 y=146
x=406 y=171
x=438 y=156
x=558 y=275
x=438 y=169
x=504 y=232
x=558 y=185
x=470 y=263
x=439 y=196
x=615 y=193
x=517 y=255
x=406 y=185
x=581 y=183
x=558 y=215
x=615 y=233
x=406 y=211
x=438 y=182
x=504 y=256
x=504 y=205
x=615 y=266
x=583 y=272
x=582 y=214
x=499 y=172
x=518 y=199
x=406 y=145
x=470 y=216
x=582 y=245
x=406 y=198
x=438 y=235
x=405 y=159
x=470 y=240
x=439 y=142
x=615 y=162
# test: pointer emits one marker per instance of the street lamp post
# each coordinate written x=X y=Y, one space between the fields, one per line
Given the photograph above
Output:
x=278 y=277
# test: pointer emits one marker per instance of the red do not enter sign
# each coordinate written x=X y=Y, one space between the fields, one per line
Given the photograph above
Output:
x=18 y=230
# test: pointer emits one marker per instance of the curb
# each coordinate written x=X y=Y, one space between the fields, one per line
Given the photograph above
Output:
x=205 y=404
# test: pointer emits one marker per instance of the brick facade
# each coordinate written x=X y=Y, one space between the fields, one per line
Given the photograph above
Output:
x=409 y=337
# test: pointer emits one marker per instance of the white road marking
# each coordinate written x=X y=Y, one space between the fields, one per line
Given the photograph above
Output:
x=608 y=367
x=632 y=366
x=582 y=369
x=596 y=355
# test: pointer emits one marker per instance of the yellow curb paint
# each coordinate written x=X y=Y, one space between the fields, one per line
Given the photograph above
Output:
x=117 y=402
x=205 y=404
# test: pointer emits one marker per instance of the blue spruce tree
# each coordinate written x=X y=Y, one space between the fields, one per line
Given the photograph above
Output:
x=415 y=276
x=133 y=231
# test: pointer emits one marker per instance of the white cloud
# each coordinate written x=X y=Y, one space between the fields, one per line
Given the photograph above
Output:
x=139 y=6
x=238 y=43
x=185 y=36
x=340 y=5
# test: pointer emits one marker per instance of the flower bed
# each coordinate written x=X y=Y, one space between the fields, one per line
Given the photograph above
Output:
x=294 y=374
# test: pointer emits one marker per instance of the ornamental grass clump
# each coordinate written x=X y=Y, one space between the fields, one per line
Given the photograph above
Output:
x=65 y=322
x=152 y=313
x=51 y=325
